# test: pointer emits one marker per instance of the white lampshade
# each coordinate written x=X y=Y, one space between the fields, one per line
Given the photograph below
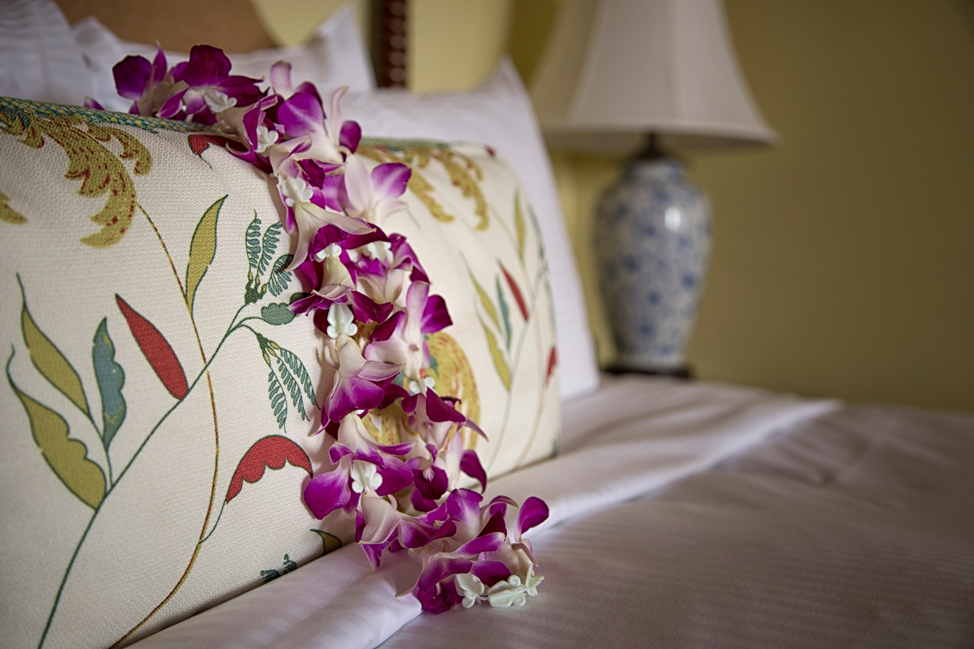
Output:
x=616 y=69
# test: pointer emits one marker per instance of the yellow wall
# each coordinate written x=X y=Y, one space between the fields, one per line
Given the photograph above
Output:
x=844 y=258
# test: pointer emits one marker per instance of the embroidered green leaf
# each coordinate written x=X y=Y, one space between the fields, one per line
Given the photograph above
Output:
x=505 y=314
x=287 y=378
x=202 y=249
x=111 y=378
x=485 y=302
x=329 y=542
x=280 y=278
x=268 y=348
x=253 y=241
x=49 y=360
x=278 y=401
x=276 y=313
x=269 y=247
x=503 y=371
x=300 y=372
x=289 y=565
x=519 y=224
x=67 y=457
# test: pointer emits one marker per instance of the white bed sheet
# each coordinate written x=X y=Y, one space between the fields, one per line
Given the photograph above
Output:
x=855 y=529
x=628 y=439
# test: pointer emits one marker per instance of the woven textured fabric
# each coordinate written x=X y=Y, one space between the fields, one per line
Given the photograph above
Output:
x=159 y=396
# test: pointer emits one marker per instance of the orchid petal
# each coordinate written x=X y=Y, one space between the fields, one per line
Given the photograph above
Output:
x=171 y=107
x=206 y=66
x=470 y=464
x=280 y=78
x=431 y=487
x=301 y=115
x=438 y=599
x=435 y=315
x=158 y=65
x=490 y=572
x=373 y=552
x=381 y=519
x=351 y=394
x=439 y=567
x=377 y=371
x=389 y=180
x=351 y=135
x=486 y=543
x=533 y=512
x=358 y=187
x=131 y=75
x=366 y=310
x=495 y=524
x=439 y=410
x=463 y=505
x=395 y=476
x=329 y=491
x=333 y=123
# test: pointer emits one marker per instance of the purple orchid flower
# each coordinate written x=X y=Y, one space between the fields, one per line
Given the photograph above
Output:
x=329 y=491
x=205 y=87
x=148 y=85
x=401 y=339
x=305 y=217
x=312 y=134
x=374 y=196
x=357 y=383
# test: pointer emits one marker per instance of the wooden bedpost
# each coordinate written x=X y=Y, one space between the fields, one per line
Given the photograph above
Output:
x=389 y=42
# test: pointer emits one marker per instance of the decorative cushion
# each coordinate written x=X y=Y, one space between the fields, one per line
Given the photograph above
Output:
x=499 y=113
x=159 y=397
x=335 y=56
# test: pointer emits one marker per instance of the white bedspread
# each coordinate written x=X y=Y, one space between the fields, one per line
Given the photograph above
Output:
x=674 y=525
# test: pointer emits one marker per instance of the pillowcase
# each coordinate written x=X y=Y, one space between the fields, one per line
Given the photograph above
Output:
x=158 y=394
x=499 y=113
x=335 y=56
x=39 y=58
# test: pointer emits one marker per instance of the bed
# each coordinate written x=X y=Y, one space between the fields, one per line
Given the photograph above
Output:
x=681 y=513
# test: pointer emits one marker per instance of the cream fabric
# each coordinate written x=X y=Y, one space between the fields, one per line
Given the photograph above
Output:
x=160 y=301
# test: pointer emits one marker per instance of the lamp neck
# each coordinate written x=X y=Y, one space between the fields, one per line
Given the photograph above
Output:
x=652 y=150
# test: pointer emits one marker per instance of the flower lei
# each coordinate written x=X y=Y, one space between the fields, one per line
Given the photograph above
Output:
x=371 y=297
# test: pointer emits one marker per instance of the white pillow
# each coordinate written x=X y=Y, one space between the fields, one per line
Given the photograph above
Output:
x=335 y=56
x=499 y=113
x=39 y=59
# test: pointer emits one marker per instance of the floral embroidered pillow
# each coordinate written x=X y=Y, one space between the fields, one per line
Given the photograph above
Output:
x=159 y=394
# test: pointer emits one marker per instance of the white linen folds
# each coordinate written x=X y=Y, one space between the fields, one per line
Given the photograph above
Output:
x=687 y=514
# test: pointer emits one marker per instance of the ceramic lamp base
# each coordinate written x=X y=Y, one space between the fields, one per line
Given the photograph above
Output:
x=652 y=240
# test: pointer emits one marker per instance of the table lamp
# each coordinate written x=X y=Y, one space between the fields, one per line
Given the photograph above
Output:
x=662 y=72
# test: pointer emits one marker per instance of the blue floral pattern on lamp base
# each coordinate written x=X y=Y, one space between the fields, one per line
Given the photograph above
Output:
x=652 y=239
